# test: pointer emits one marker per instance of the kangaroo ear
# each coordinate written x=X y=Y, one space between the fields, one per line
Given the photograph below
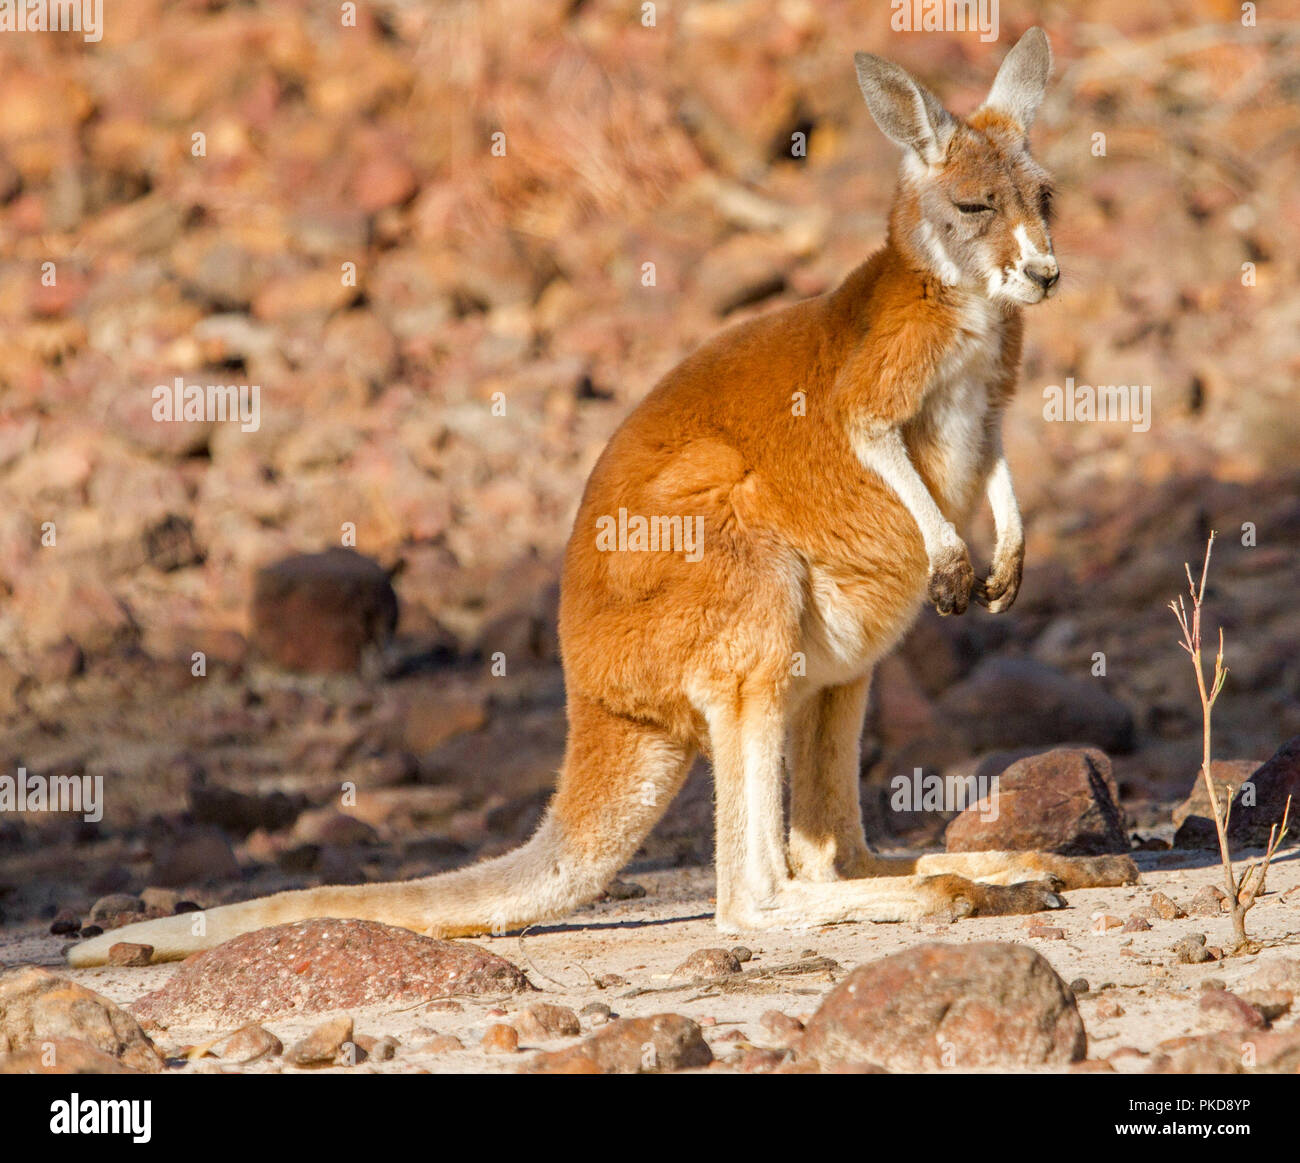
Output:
x=1021 y=81
x=906 y=112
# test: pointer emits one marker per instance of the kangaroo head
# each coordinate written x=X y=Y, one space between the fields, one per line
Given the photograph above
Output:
x=972 y=206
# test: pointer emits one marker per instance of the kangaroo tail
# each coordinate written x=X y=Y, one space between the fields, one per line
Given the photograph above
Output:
x=618 y=778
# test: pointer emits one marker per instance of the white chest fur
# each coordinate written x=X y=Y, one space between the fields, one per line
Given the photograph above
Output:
x=954 y=416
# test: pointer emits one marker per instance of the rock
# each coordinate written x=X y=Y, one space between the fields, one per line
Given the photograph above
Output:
x=320 y=612
x=500 y=1039
x=382 y=181
x=325 y=964
x=1108 y=1008
x=544 y=1021
x=1231 y=773
x=987 y=1004
x=324 y=1046
x=1276 y=973
x=301 y=297
x=597 y=1013
x=251 y=1042
x=1018 y=702
x=781 y=1026
x=1208 y=901
x=1062 y=801
x=59 y=663
x=1247 y=1051
x=745 y=269
x=1232 y=1011
x=38 y=1006
x=443 y=1044
x=758 y=1060
x=1260 y=802
x=164 y=901
x=328 y=826
x=1191 y=949
x=1079 y=986
x=62 y=1056
x=65 y=922
x=1092 y=1066
x=113 y=904
x=708 y=965
x=1047 y=932
x=378 y=1049
x=199 y=856
x=241 y=813
x=654 y=1045
x=742 y=953
x=129 y=955
x=1136 y=924
x=1168 y=909
x=1270 y=1004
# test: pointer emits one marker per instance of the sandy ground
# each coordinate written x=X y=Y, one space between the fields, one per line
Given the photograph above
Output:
x=644 y=940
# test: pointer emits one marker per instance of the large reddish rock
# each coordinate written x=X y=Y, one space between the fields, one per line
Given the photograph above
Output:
x=1261 y=801
x=1062 y=801
x=654 y=1045
x=38 y=1007
x=1020 y=702
x=321 y=965
x=319 y=612
x=62 y=1056
x=986 y=1005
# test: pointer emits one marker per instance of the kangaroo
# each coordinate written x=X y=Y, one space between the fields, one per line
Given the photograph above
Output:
x=826 y=453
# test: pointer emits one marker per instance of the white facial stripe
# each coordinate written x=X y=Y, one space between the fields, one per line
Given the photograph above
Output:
x=1028 y=250
x=944 y=267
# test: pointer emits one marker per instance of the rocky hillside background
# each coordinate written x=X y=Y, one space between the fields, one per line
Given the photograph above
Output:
x=425 y=238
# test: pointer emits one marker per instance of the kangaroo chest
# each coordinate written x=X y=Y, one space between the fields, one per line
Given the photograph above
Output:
x=855 y=615
x=949 y=438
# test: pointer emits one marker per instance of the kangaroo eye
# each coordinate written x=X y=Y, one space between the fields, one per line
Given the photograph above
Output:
x=1045 y=202
x=973 y=207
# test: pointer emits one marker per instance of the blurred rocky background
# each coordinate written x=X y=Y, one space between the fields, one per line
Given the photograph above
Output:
x=426 y=239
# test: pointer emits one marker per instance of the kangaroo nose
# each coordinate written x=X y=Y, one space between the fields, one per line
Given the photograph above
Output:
x=1046 y=276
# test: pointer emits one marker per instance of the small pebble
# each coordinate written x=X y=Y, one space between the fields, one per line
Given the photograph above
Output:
x=1166 y=907
x=128 y=954
x=1108 y=1007
x=1191 y=949
x=66 y=922
x=500 y=1039
x=442 y=1044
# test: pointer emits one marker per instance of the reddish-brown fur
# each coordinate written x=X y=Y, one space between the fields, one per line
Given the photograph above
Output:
x=781 y=434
